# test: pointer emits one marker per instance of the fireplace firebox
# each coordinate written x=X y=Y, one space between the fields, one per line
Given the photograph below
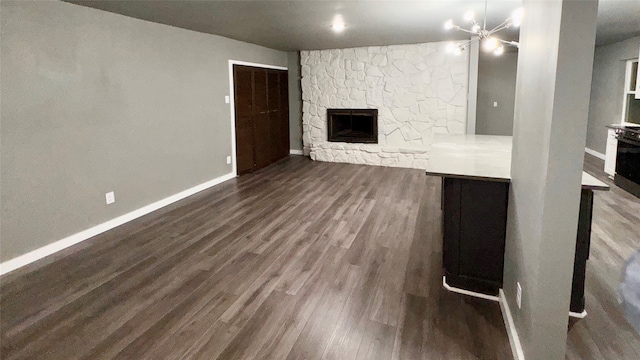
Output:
x=353 y=125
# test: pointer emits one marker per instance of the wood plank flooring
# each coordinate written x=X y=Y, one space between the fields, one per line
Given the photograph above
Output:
x=300 y=260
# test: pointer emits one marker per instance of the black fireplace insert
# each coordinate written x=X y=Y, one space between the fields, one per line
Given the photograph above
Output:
x=353 y=125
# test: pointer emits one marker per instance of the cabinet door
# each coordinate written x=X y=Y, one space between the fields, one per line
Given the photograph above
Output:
x=483 y=223
x=475 y=218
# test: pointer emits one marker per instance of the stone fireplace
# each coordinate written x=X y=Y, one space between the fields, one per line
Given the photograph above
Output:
x=416 y=90
x=353 y=125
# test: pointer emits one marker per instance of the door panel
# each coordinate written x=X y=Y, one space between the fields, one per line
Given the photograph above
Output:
x=243 y=90
x=274 y=115
x=245 y=146
x=262 y=140
x=274 y=93
x=283 y=145
x=483 y=245
x=243 y=96
x=274 y=140
x=260 y=91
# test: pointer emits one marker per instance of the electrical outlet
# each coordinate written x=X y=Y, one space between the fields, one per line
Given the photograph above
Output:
x=495 y=104
x=519 y=296
x=228 y=159
x=110 y=197
x=226 y=99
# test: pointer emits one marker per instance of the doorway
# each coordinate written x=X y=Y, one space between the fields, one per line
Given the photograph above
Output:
x=261 y=116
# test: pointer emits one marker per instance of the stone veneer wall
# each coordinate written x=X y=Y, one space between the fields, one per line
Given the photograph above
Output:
x=419 y=90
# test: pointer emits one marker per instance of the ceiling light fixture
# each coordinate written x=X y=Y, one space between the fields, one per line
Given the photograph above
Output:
x=338 y=24
x=489 y=42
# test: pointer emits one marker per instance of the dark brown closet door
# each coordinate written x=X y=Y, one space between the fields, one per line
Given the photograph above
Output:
x=243 y=85
x=261 y=120
x=283 y=144
x=262 y=110
x=274 y=114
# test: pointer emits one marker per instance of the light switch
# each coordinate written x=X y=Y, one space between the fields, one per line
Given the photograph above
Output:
x=495 y=104
x=226 y=99
x=110 y=197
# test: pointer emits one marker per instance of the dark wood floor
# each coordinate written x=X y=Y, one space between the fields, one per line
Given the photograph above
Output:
x=300 y=260
x=615 y=235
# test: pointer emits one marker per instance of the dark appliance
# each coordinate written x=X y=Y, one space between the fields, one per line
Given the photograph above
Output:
x=628 y=159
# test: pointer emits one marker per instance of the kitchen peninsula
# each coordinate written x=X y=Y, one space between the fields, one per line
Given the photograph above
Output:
x=476 y=173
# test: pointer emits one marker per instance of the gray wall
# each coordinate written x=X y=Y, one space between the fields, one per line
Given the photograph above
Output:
x=550 y=122
x=607 y=89
x=93 y=102
x=472 y=99
x=496 y=82
x=295 y=101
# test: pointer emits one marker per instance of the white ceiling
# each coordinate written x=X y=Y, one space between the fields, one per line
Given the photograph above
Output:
x=305 y=25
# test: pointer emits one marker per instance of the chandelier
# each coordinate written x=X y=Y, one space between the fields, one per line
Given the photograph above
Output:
x=481 y=34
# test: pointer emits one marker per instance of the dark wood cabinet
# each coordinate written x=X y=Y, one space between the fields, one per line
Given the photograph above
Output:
x=583 y=244
x=262 y=116
x=474 y=228
x=475 y=220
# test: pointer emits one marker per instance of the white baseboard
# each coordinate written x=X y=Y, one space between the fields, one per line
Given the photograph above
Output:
x=296 y=152
x=467 y=292
x=595 y=153
x=581 y=315
x=514 y=339
x=52 y=248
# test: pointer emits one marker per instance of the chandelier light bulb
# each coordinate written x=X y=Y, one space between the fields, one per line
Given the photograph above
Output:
x=451 y=48
x=499 y=51
x=476 y=28
x=469 y=15
x=516 y=17
x=489 y=44
x=449 y=24
x=457 y=50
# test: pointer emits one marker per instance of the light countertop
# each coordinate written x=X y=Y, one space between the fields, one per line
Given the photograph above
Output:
x=481 y=157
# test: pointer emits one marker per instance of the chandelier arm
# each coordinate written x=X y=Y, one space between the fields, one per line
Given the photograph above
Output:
x=469 y=42
x=502 y=23
x=510 y=43
x=466 y=43
x=467 y=31
x=505 y=25
x=496 y=30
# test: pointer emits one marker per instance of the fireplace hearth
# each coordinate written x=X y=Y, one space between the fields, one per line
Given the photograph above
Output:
x=353 y=125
